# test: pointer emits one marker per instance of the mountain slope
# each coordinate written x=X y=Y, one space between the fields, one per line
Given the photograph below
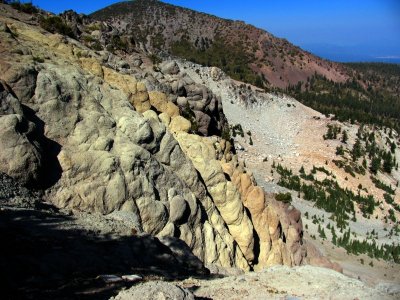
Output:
x=243 y=51
x=276 y=130
x=367 y=94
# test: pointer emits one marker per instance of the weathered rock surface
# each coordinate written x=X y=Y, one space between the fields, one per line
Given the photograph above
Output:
x=169 y=67
x=226 y=197
x=118 y=143
x=111 y=157
x=180 y=124
x=281 y=242
x=196 y=102
x=155 y=290
x=20 y=152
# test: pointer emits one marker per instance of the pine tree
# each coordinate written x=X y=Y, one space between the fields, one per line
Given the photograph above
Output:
x=375 y=164
x=392 y=147
x=387 y=162
x=333 y=235
x=364 y=163
x=322 y=234
x=339 y=150
x=344 y=137
x=356 y=152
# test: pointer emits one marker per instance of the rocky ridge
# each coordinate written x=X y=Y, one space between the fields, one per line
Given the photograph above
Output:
x=100 y=134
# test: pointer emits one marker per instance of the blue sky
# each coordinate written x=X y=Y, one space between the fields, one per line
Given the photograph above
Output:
x=343 y=30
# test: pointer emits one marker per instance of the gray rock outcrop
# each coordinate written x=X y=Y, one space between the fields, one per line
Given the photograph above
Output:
x=20 y=152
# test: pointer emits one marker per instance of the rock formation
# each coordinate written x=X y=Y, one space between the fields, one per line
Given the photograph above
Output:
x=100 y=134
x=20 y=154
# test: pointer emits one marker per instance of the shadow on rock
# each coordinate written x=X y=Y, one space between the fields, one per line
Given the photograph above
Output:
x=51 y=168
x=45 y=255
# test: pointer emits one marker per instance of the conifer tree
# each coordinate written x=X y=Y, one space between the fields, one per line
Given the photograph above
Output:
x=344 y=137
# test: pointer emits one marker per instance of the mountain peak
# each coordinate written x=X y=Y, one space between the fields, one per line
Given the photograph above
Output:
x=243 y=51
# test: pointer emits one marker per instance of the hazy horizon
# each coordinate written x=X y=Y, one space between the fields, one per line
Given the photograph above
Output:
x=345 y=31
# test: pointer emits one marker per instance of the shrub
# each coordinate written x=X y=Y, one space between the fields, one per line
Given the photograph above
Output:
x=237 y=130
x=332 y=132
x=226 y=134
x=55 y=24
x=187 y=113
x=284 y=197
x=88 y=38
x=227 y=55
x=349 y=169
x=38 y=59
x=380 y=185
x=96 y=45
x=117 y=43
x=345 y=137
x=154 y=59
x=28 y=8
x=375 y=165
x=93 y=27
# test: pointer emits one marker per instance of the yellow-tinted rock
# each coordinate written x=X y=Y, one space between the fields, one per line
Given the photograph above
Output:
x=128 y=84
x=123 y=82
x=92 y=65
x=227 y=168
x=271 y=221
x=165 y=118
x=57 y=41
x=255 y=200
x=245 y=183
x=141 y=86
x=172 y=109
x=141 y=102
x=160 y=102
x=179 y=123
x=150 y=114
x=224 y=193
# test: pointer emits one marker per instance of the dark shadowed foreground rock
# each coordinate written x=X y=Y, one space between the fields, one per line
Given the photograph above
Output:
x=48 y=254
